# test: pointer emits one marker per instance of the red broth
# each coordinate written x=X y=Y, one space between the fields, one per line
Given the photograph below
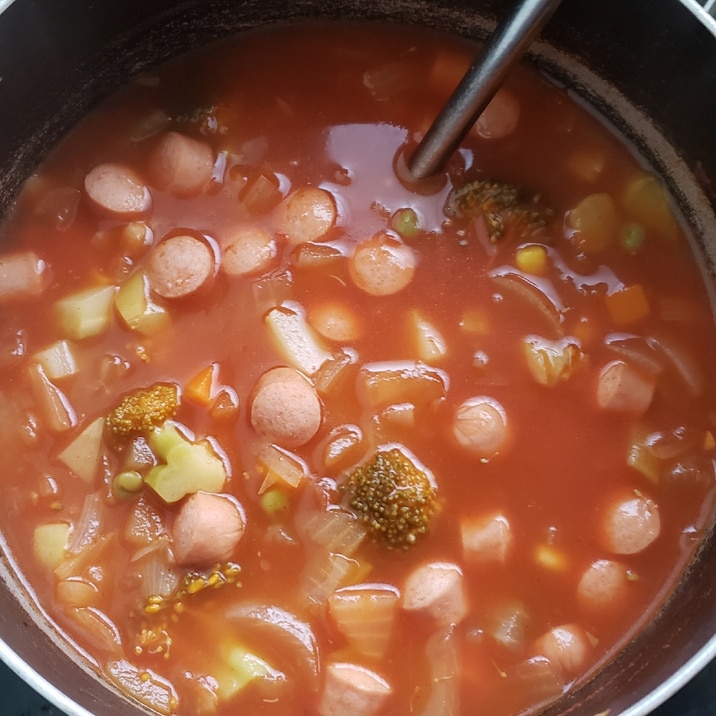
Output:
x=537 y=358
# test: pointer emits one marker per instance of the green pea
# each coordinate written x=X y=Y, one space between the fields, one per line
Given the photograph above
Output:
x=632 y=238
x=406 y=223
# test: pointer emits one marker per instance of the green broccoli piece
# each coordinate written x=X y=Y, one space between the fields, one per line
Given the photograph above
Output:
x=143 y=410
x=392 y=497
x=188 y=467
x=500 y=205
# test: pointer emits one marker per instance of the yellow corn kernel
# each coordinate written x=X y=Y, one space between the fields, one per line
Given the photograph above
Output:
x=531 y=259
x=550 y=558
x=709 y=441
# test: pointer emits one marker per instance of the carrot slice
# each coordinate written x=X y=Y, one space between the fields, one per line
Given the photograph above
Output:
x=628 y=305
x=201 y=388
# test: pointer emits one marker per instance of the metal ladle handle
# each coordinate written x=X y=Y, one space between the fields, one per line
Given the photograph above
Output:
x=508 y=43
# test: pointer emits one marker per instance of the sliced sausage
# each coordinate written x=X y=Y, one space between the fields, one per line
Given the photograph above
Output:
x=624 y=389
x=436 y=590
x=487 y=539
x=382 y=265
x=247 y=250
x=603 y=586
x=285 y=408
x=568 y=649
x=180 y=266
x=22 y=275
x=307 y=215
x=207 y=529
x=630 y=524
x=352 y=690
x=117 y=190
x=181 y=165
x=335 y=321
x=500 y=117
x=480 y=426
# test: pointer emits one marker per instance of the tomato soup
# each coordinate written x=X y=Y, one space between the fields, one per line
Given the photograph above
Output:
x=286 y=432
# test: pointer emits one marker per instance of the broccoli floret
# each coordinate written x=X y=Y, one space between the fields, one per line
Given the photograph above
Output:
x=500 y=205
x=188 y=466
x=392 y=497
x=143 y=410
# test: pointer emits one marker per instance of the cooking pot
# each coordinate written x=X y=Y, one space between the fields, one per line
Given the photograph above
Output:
x=649 y=67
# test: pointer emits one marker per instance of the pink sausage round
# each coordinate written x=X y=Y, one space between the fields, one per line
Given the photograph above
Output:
x=630 y=524
x=117 y=190
x=567 y=647
x=180 y=266
x=352 y=690
x=246 y=251
x=603 y=586
x=382 y=265
x=480 y=426
x=285 y=408
x=181 y=165
x=207 y=529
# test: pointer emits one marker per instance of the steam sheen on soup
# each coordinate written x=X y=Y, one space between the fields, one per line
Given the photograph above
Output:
x=282 y=432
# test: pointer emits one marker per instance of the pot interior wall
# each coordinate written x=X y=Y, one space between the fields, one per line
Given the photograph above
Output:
x=58 y=59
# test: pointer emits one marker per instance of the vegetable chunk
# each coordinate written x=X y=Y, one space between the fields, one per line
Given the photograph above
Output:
x=189 y=467
x=486 y=539
x=143 y=410
x=22 y=275
x=393 y=497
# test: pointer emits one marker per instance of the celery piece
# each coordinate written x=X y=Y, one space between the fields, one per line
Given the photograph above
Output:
x=189 y=467
x=82 y=455
x=241 y=668
x=429 y=343
x=49 y=543
x=296 y=340
x=640 y=456
x=281 y=466
x=57 y=360
x=86 y=313
x=138 y=311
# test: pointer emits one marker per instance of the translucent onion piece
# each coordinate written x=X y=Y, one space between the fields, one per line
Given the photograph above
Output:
x=144 y=685
x=293 y=639
x=97 y=629
x=365 y=615
x=88 y=526
x=333 y=531
x=538 y=293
